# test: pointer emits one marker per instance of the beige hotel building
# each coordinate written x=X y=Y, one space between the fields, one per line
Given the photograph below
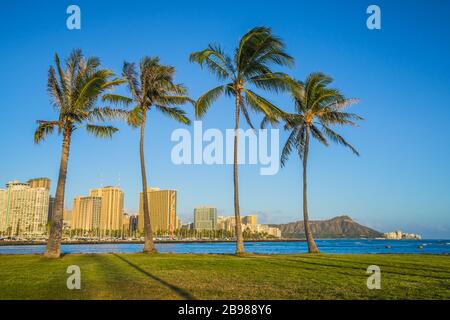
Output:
x=111 y=216
x=163 y=210
x=101 y=211
x=39 y=183
x=86 y=213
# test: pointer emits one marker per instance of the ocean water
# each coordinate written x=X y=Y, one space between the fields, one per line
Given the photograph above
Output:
x=325 y=246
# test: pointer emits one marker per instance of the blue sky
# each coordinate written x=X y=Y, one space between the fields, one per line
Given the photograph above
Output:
x=401 y=73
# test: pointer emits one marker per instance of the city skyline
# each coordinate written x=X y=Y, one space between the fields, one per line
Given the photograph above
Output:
x=26 y=207
x=386 y=188
x=89 y=214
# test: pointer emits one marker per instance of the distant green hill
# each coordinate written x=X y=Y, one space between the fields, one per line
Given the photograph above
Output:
x=338 y=227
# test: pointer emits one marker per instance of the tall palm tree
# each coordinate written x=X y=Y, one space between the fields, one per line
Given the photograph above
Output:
x=250 y=66
x=74 y=93
x=317 y=107
x=152 y=88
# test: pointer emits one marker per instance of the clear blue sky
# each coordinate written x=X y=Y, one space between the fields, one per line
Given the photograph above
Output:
x=401 y=74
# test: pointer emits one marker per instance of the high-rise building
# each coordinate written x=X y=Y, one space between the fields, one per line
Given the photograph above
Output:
x=249 y=223
x=133 y=224
x=251 y=219
x=68 y=216
x=205 y=218
x=226 y=223
x=40 y=183
x=187 y=226
x=162 y=209
x=23 y=210
x=4 y=203
x=44 y=183
x=86 y=213
x=111 y=217
x=126 y=224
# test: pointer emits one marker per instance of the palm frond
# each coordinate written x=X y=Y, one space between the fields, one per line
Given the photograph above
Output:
x=247 y=116
x=269 y=121
x=258 y=48
x=216 y=61
x=116 y=99
x=106 y=113
x=276 y=82
x=62 y=76
x=206 y=100
x=101 y=131
x=92 y=63
x=173 y=100
x=135 y=116
x=293 y=120
x=315 y=132
x=288 y=146
x=92 y=89
x=338 y=139
x=55 y=92
x=44 y=129
x=170 y=88
x=175 y=113
x=313 y=83
x=130 y=75
x=340 y=118
x=259 y=104
x=339 y=105
x=72 y=70
x=323 y=97
x=113 y=83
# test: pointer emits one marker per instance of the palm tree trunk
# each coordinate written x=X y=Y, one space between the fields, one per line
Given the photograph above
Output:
x=53 y=249
x=237 y=213
x=149 y=246
x=312 y=247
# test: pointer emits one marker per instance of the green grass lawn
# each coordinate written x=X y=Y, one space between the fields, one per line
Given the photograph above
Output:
x=192 y=276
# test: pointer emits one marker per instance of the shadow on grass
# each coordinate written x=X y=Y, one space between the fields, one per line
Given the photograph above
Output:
x=181 y=292
x=399 y=264
x=319 y=261
x=323 y=262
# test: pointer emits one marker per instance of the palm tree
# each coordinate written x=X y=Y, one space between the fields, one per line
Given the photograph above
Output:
x=74 y=93
x=152 y=88
x=317 y=108
x=250 y=66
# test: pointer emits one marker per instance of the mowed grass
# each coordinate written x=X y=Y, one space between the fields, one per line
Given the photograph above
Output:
x=192 y=276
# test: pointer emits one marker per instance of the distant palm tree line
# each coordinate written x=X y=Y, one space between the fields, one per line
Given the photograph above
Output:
x=77 y=89
x=180 y=232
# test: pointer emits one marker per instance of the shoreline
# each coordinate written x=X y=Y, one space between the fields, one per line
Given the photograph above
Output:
x=27 y=243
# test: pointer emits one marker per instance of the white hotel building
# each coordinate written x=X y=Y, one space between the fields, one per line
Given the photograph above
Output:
x=23 y=210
